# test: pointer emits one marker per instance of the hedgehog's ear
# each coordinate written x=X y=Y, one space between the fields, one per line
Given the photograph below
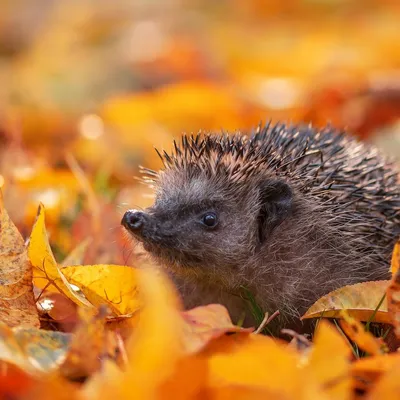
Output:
x=276 y=198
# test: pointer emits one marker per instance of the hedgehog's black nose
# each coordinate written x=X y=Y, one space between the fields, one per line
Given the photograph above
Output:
x=133 y=220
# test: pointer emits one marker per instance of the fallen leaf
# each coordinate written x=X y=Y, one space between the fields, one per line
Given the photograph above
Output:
x=11 y=351
x=17 y=303
x=114 y=285
x=205 y=323
x=258 y=363
x=46 y=273
x=395 y=263
x=329 y=361
x=14 y=382
x=359 y=300
x=388 y=386
x=193 y=371
x=393 y=301
x=357 y=333
x=239 y=392
x=32 y=349
x=45 y=349
x=90 y=344
x=155 y=347
x=58 y=307
x=51 y=387
x=366 y=371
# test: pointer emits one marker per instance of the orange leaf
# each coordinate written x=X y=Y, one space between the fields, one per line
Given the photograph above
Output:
x=329 y=361
x=14 y=382
x=188 y=380
x=359 y=300
x=205 y=323
x=17 y=303
x=357 y=333
x=395 y=264
x=257 y=363
x=393 y=300
x=388 y=386
x=366 y=371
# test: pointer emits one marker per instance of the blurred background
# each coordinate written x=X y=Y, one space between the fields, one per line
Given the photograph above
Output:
x=88 y=87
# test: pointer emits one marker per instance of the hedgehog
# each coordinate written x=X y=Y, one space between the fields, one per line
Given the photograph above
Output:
x=286 y=214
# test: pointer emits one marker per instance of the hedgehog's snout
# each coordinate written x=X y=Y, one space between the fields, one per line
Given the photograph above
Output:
x=134 y=221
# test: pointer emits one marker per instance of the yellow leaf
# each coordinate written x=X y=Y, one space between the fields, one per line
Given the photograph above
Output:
x=329 y=361
x=359 y=300
x=17 y=303
x=46 y=273
x=357 y=333
x=114 y=285
x=155 y=347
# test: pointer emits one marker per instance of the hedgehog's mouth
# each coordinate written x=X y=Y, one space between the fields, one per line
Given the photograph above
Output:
x=166 y=253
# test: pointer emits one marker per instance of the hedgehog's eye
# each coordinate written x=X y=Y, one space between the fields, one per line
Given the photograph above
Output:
x=209 y=219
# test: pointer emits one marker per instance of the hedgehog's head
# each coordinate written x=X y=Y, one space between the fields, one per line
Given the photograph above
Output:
x=211 y=212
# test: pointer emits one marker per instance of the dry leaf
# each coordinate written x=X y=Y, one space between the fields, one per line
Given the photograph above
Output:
x=114 y=285
x=17 y=304
x=359 y=300
x=205 y=323
x=90 y=344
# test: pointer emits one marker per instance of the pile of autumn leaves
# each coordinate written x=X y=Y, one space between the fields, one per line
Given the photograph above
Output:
x=133 y=340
